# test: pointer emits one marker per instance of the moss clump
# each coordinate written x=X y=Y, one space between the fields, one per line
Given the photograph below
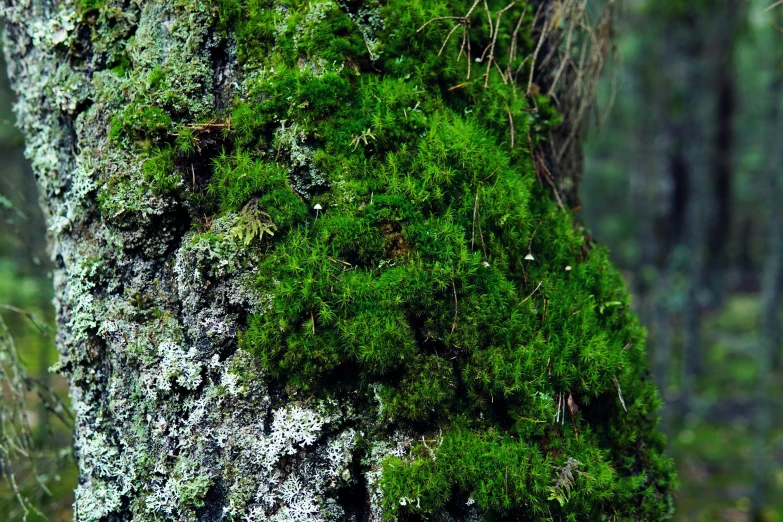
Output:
x=409 y=279
x=141 y=124
x=84 y=6
x=416 y=263
x=160 y=172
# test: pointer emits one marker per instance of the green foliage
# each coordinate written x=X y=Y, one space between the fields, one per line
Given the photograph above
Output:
x=120 y=64
x=192 y=492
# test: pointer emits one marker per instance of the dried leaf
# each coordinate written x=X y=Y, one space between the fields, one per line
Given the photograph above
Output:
x=573 y=407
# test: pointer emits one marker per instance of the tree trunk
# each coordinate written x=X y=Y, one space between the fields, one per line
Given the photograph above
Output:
x=309 y=268
x=768 y=350
x=725 y=28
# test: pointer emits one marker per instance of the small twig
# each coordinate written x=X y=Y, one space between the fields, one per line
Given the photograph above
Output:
x=533 y=292
x=481 y=236
x=493 y=33
x=548 y=177
x=466 y=35
x=367 y=45
x=532 y=236
x=493 y=173
x=436 y=19
x=465 y=84
x=206 y=126
x=620 y=394
x=538 y=49
x=530 y=420
x=30 y=316
x=773 y=6
x=462 y=47
x=559 y=406
x=456 y=307
x=447 y=38
x=489 y=19
x=473 y=233
x=500 y=71
x=333 y=260
x=510 y=125
x=512 y=50
x=564 y=62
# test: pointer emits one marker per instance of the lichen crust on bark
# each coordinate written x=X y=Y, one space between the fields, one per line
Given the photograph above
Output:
x=307 y=269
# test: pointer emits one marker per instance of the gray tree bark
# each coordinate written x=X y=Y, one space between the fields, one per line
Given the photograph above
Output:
x=216 y=446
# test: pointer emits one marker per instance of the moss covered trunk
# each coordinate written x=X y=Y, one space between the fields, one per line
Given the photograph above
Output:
x=308 y=267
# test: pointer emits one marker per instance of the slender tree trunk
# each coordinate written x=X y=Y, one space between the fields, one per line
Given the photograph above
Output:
x=695 y=139
x=768 y=351
x=656 y=229
x=646 y=165
x=310 y=268
x=726 y=27
x=769 y=344
x=673 y=192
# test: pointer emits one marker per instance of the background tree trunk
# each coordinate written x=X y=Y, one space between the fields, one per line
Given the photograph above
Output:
x=304 y=270
x=769 y=347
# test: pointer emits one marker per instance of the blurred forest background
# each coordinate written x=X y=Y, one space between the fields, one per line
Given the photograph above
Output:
x=683 y=181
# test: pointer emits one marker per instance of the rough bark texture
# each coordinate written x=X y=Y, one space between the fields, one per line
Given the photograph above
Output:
x=304 y=270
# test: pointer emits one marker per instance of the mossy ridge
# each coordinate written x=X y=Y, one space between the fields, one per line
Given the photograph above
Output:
x=416 y=265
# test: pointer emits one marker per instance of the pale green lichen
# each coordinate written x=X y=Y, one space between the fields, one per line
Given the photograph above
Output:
x=55 y=29
x=290 y=139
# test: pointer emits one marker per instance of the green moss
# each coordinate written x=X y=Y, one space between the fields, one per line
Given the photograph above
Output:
x=120 y=64
x=500 y=471
x=156 y=78
x=160 y=172
x=187 y=142
x=84 y=6
x=141 y=124
x=238 y=178
x=411 y=277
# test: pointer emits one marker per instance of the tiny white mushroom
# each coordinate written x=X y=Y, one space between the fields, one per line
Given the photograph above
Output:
x=568 y=268
x=529 y=257
x=485 y=263
x=317 y=206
